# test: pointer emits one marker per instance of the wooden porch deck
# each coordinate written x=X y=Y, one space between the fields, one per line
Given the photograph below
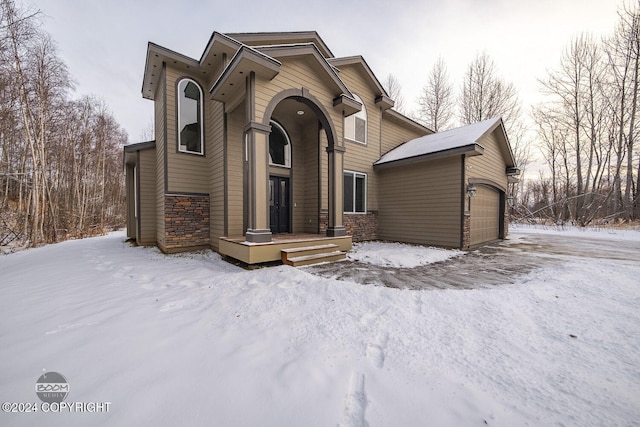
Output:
x=250 y=253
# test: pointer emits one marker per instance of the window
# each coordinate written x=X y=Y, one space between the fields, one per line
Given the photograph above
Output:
x=355 y=126
x=355 y=192
x=190 y=138
x=279 y=146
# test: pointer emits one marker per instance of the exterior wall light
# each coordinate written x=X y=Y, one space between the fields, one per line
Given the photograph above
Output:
x=471 y=190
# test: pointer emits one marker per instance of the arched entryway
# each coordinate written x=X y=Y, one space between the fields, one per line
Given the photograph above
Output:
x=299 y=186
x=280 y=162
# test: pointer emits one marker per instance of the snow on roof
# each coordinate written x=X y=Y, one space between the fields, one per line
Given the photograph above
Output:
x=441 y=141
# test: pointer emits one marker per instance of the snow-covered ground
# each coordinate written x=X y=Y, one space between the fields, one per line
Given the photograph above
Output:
x=191 y=340
x=399 y=255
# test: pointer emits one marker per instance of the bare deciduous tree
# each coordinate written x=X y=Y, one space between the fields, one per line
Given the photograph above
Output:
x=60 y=160
x=436 y=100
x=484 y=95
x=394 y=89
x=588 y=125
x=623 y=55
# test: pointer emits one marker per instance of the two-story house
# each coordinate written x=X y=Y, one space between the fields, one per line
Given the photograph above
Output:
x=268 y=147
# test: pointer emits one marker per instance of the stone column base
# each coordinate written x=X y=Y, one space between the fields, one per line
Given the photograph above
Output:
x=336 y=231
x=258 y=236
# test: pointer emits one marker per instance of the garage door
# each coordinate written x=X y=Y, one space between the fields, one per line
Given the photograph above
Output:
x=485 y=215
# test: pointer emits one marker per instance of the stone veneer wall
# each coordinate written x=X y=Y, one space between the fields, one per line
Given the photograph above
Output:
x=360 y=226
x=186 y=221
x=466 y=231
x=507 y=219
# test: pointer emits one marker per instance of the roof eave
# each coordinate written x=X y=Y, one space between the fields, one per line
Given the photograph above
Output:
x=139 y=146
x=359 y=60
x=246 y=60
x=129 y=153
x=219 y=39
x=284 y=37
x=474 y=149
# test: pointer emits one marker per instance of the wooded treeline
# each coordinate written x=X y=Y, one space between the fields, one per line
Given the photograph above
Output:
x=586 y=128
x=60 y=159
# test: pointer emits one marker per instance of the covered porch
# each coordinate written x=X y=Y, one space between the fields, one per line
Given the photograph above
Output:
x=292 y=157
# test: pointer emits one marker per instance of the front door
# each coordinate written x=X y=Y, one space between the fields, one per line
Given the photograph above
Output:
x=279 y=209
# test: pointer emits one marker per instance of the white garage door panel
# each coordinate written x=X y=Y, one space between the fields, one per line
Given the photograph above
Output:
x=485 y=215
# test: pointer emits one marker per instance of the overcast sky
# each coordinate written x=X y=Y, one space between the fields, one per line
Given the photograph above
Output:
x=104 y=42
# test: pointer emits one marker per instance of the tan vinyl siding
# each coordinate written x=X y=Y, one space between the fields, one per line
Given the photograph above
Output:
x=303 y=173
x=214 y=134
x=130 y=192
x=311 y=207
x=235 y=180
x=490 y=165
x=360 y=157
x=160 y=132
x=147 y=173
x=186 y=172
x=421 y=203
x=297 y=173
x=324 y=172
x=394 y=134
x=298 y=72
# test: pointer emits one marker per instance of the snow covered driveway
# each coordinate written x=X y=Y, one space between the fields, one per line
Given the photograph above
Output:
x=404 y=266
x=191 y=340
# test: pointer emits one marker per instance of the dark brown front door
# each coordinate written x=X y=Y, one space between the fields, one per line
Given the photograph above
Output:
x=279 y=207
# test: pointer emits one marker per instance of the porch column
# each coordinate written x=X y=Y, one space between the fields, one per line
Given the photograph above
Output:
x=257 y=152
x=336 y=202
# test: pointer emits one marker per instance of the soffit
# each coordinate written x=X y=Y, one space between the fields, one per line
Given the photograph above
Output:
x=218 y=48
x=231 y=82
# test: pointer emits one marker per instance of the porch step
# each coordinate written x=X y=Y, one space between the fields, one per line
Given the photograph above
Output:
x=312 y=254
x=298 y=261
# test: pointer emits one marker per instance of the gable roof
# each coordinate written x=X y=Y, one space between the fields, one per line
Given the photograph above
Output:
x=218 y=46
x=462 y=140
x=310 y=50
x=359 y=60
x=286 y=37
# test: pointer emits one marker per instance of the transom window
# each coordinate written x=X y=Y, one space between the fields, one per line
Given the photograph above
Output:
x=190 y=138
x=279 y=146
x=355 y=126
x=355 y=192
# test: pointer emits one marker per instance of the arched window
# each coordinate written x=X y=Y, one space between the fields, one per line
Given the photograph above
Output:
x=355 y=126
x=279 y=146
x=190 y=135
